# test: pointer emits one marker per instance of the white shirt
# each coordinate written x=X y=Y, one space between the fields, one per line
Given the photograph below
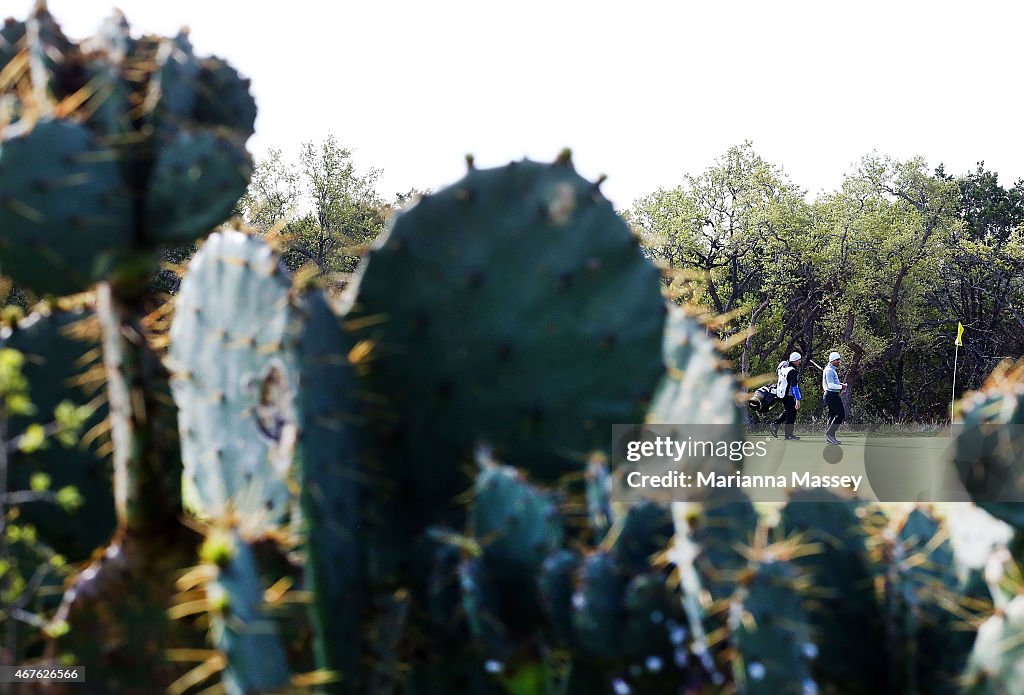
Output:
x=830 y=379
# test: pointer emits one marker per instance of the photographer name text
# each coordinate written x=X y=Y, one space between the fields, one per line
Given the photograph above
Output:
x=677 y=479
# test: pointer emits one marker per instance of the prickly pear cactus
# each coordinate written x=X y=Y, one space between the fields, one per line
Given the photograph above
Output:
x=556 y=584
x=110 y=148
x=923 y=604
x=599 y=484
x=241 y=625
x=60 y=367
x=710 y=542
x=514 y=308
x=847 y=614
x=696 y=389
x=990 y=444
x=75 y=187
x=516 y=526
x=235 y=376
x=331 y=489
x=265 y=392
x=642 y=534
x=997 y=661
x=770 y=630
x=627 y=620
x=598 y=605
x=712 y=537
x=443 y=597
x=512 y=311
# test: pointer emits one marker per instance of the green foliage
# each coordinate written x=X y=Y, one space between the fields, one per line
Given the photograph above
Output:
x=989 y=210
x=13 y=385
x=880 y=269
x=322 y=208
x=722 y=224
x=30 y=568
x=46 y=421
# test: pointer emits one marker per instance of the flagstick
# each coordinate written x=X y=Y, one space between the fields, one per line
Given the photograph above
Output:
x=952 y=399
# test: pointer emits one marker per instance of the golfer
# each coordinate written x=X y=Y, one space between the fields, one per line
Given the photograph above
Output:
x=833 y=387
x=788 y=391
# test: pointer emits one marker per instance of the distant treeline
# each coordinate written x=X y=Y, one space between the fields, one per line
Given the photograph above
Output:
x=880 y=270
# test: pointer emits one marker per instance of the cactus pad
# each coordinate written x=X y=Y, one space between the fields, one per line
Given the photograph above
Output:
x=484 y=609
x=197 y=179
x=555 y=582
x=696 y=389
x=240 y=623
x=644 y=531
x=265 y=395
x=847 y=614
x=223 y=98
x=111 y=122
x=990 y=444
x=770 y=631
x=517 y=524
x=923 y=598
x=997 y=661
x=650 y=608
x=598 y=606
x=65 y=216
x=714 y=536
x=234 y=378
x=513 y=307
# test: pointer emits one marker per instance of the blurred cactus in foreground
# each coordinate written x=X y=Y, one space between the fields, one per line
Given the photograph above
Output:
x=989 y=453
x=112 y=147
x=990 y=444
x=408 y=493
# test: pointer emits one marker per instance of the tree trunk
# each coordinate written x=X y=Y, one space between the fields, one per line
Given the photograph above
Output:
x=745 y=359
x=897 y=400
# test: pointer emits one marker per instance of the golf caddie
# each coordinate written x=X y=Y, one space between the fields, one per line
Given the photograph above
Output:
x=833 y=388
x=787 y=389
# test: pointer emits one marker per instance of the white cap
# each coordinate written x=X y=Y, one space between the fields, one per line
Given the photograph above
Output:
x=794 y=356
x=833 y=356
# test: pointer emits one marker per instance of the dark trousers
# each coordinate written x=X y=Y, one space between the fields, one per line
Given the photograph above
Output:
x=836 y=412
x=788 y=415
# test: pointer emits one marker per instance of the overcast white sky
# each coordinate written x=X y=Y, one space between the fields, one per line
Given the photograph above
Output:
x=642 y=91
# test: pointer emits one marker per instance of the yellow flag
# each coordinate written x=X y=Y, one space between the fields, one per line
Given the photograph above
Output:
x=959 y=334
